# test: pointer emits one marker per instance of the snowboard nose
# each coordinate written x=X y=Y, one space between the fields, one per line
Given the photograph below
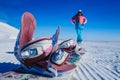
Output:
x=28 y=25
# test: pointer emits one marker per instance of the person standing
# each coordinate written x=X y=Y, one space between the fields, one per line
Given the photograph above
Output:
x=79 y=21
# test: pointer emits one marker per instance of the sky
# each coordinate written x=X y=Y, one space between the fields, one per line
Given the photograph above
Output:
x=103 y=17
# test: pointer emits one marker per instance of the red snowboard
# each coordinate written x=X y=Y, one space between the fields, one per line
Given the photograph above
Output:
x=28 y=25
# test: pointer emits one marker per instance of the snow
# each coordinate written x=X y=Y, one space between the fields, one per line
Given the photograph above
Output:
x=8 y=34
x=7 y=31
x=101 y=62
x=105 y=53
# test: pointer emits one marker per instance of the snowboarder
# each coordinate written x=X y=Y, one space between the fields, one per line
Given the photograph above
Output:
x=79 y=21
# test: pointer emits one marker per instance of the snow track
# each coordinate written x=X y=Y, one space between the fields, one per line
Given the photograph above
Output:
x=99 y=63
x=89 y=71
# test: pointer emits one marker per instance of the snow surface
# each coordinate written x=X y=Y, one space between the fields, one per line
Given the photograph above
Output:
x=101 y=62
x=7 y=31
x=8 y=34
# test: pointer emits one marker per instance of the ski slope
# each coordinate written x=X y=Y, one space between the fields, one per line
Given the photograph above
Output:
x=101 y=62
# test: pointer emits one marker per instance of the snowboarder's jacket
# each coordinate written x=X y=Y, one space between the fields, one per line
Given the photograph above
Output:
x=78 y=19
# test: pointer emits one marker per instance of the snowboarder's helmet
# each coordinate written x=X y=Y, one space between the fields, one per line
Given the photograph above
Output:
x=80 y=11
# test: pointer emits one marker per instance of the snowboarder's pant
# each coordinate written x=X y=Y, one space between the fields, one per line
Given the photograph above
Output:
x=79 y=29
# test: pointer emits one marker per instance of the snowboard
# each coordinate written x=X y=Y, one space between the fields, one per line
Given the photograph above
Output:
x=12 y=75
x=24 y=41
x=28 y=25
